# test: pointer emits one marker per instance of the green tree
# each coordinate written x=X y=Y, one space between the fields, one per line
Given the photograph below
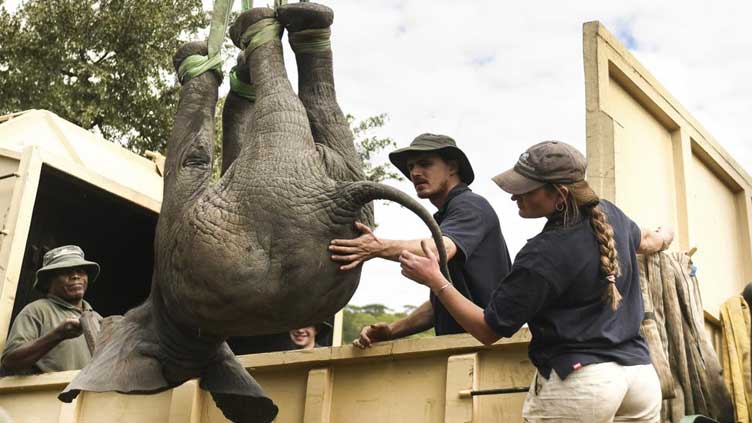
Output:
x=105 y=65
x=369 y=145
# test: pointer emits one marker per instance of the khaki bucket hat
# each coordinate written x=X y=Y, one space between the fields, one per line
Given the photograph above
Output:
x=552 y=162
x=441 y=144
x=63 y=257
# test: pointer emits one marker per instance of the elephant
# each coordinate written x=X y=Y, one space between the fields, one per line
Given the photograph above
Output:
x=246 y=255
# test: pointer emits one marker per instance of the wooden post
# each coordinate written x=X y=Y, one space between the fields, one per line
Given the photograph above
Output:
x=318 y=400
x=15 y=234
x=462 y=375
x=186 y=403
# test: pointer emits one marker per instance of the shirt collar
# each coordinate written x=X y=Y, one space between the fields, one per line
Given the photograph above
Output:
x=455 y=191
x=62 y=303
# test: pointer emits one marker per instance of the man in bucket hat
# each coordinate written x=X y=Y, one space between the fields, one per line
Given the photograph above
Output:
x=46 y=334
x=477 y=252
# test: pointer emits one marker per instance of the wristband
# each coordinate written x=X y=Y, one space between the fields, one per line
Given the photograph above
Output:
x=443 y=287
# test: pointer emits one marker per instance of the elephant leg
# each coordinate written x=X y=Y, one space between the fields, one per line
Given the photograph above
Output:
x=308 y=28
x=308 y=25
x=280 y=125
x=237 y=114
x=189 y=149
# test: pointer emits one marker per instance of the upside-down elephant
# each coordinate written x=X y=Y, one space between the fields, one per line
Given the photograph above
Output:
x=246 y=255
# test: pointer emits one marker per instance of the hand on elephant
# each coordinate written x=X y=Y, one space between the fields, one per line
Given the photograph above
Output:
x=355 y=251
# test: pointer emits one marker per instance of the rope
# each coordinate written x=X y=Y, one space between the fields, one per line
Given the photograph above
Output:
x=260 y=33
x=240 y=88
x=311 y=40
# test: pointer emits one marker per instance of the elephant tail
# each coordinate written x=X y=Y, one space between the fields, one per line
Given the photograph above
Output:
x=357 y=194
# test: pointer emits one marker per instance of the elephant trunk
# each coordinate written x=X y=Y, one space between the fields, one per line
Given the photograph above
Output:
x=357 y=194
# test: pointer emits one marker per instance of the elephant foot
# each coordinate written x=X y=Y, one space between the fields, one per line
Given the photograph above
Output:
x=244 y=21
x=191 y=51
x=302 y=16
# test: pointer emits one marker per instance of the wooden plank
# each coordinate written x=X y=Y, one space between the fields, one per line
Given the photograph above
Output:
x=36 y=382
x=462 y=375
x=69 y=412
x=15 y=234
x=403 y=348
x=86 y=175
x=337 y=329
x=318 y=402
x=186 y=403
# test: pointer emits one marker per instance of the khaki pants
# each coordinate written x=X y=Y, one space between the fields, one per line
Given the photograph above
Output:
x=603 y=392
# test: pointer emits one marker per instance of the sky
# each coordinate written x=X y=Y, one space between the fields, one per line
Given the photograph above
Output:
x=500 y=76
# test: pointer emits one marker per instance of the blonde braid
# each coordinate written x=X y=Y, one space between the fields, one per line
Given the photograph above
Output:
x=604 y=233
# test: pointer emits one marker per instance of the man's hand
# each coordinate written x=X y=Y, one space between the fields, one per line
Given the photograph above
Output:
x=69 y=328
x=355 y=251
x=373 y=333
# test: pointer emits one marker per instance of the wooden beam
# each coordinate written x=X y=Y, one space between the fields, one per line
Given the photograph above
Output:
x=186 y=403
x=462 y=375
x=15 y=234
x=318 y=400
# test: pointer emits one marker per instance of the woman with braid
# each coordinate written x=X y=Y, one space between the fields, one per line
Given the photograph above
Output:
x=576 y=285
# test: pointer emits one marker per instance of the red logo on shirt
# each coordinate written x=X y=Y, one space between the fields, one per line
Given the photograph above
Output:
x=577 y=366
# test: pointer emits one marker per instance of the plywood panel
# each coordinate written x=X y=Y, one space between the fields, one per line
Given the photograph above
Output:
x=404 y=391
x=503 y=369
x=713 y=222
x=645 y=187
x=112 y=407
x=32 y=406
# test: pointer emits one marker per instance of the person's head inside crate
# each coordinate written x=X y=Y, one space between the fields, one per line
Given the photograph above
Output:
x=46 y=334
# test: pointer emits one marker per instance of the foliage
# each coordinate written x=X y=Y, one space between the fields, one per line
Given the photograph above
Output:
x=369 y=146
x=356 y=317
x=105 y=65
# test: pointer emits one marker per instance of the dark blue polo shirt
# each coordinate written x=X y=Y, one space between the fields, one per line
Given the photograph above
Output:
x=482 y=259
x=556 y=286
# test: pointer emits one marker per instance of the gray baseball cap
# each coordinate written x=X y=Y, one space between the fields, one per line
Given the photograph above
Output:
x=552 y=162
x=63 y=257
x=441 y=144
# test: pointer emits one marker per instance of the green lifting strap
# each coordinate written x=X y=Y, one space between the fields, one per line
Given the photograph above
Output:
x=197 y=64
x=311 y=40
x=245 y=5
x=260 y=33
x=240 y=88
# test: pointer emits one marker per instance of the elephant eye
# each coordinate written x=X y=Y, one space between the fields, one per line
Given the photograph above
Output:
x=196 y=160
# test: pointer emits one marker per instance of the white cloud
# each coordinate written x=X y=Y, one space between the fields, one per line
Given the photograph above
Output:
x=500 y=76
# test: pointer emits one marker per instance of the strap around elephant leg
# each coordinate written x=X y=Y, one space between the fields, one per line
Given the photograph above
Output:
x=197 y=64
x=240 y=88
x=260 y=33
x=311 y=40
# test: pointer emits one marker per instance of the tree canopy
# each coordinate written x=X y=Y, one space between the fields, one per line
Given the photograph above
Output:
x=356 y=317
x=105 y=65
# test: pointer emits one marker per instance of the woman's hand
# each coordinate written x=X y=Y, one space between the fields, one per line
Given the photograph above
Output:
x=424 y=270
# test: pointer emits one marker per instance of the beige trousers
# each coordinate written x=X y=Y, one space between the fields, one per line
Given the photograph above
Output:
x=603 y=392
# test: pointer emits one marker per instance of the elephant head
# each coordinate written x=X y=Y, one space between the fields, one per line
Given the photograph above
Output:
x=248 y=254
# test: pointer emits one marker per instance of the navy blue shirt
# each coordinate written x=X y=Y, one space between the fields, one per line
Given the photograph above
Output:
x=557 y=287
x=482 y=259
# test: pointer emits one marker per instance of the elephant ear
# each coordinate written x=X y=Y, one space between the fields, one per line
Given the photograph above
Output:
x=125 y=359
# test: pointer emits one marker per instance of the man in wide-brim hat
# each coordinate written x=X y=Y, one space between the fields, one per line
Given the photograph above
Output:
x=46 y=334
x=477 y=253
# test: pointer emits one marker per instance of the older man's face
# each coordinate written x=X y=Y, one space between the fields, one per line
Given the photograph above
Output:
x=69 y=284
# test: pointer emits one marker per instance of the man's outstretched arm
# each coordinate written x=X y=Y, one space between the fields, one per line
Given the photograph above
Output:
x=353 y=252
x=419 y=320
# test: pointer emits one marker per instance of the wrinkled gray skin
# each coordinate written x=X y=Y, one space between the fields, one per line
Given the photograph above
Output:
x=247 y=255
